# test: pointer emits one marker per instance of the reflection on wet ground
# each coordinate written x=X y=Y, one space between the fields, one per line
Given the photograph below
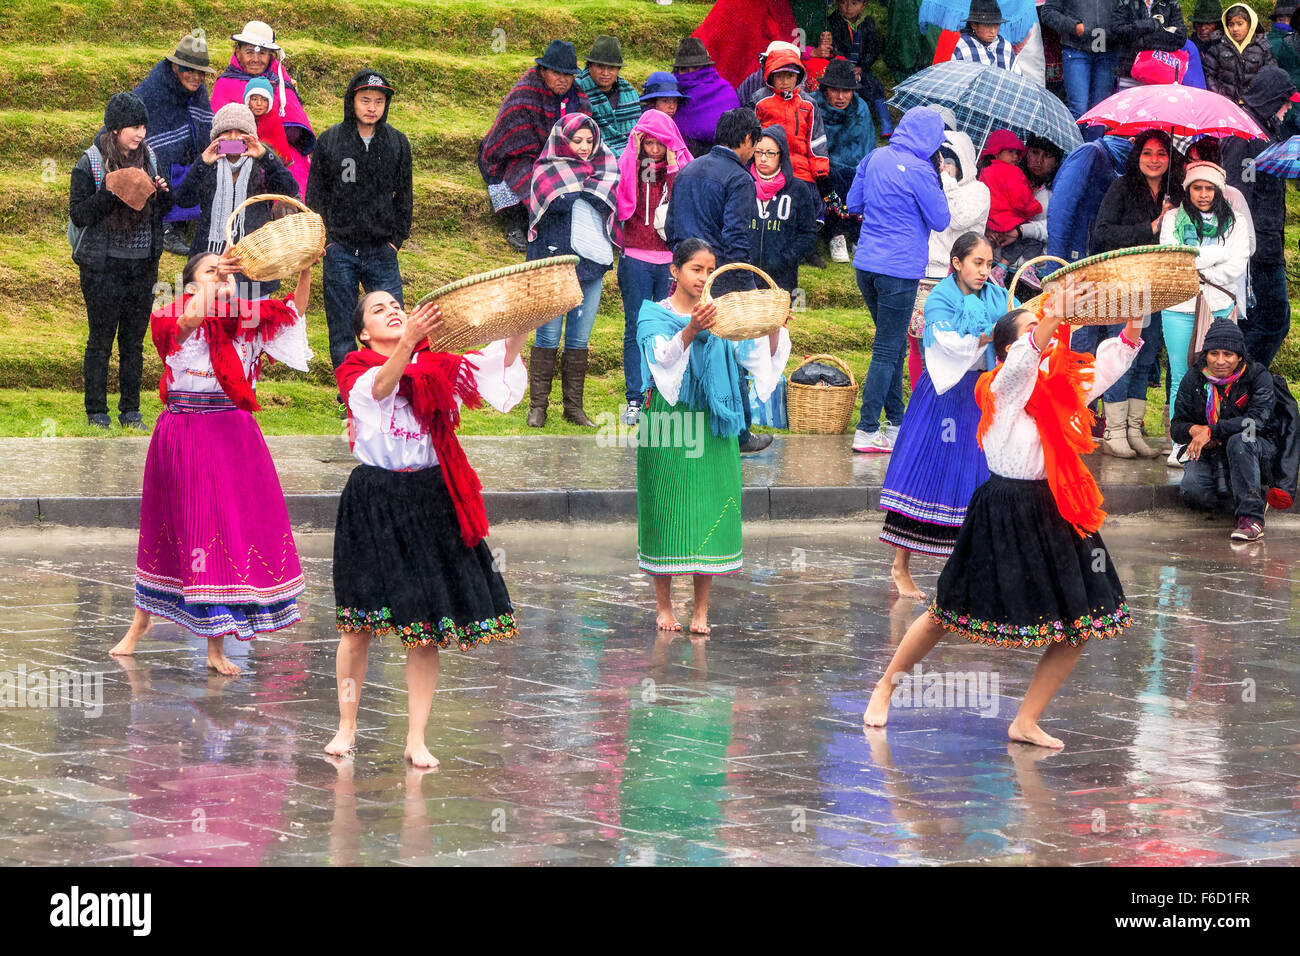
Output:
x=591 y=739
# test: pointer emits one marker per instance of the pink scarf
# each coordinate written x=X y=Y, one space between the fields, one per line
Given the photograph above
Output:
x=767 y=188
x=660 y=126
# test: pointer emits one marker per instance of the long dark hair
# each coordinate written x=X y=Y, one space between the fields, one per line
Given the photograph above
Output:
x=124 y=219
x=1220 y=208
x=1047 y=146
x=1006 y=330
x=1135 y=180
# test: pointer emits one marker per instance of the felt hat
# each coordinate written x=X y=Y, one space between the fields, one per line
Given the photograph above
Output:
x=985 y=11
x=192 y=53
x=839 y=75
x=561 y=57
x=1207 y=11
x=1284 y=8
x=661 y=85
x=691 y=55
x=123 y=110
x=256 y=33
x=259 y=86
x=1203 y=172
x=1224 y=334
x=234 y=116
x=606 y=51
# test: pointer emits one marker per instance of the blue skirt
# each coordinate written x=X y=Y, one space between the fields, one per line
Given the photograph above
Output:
x=934 y=469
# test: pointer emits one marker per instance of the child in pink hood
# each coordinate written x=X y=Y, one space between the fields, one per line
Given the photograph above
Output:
x=655 y=153
x=1012 y=202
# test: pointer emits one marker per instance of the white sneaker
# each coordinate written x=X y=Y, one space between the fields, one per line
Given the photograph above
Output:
x=878 y=442
x=1172 y=461
x=891 y=432
x=632 y=414
x=839 y=249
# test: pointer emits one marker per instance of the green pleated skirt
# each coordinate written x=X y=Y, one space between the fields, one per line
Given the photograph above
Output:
x=687 y=493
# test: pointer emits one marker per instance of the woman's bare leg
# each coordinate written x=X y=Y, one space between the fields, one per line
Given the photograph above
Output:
x=665 y=619
x=349 y=673
x=1050 y=674
x=700 y=614
x=919 y=640
x=141 y=625
x=421 y=682
x=217 y=658
x=901 y=572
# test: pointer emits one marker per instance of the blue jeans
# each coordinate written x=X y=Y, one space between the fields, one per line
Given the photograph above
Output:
x=372 y=269
x=1268 y=322
x=1089 y=79
x=639 y=282
x=889 y=300
x=580 y=319
x=1133 y=383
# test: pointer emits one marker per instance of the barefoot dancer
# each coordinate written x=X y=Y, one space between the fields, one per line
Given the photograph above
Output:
x=937 y=464
x=1028 y=567
x=216 y=553
x=409 y=554
x=687 y=463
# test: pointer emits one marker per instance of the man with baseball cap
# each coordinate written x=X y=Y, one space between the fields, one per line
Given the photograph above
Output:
x=360 y=184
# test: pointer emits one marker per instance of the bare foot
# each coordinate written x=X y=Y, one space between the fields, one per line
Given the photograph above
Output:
x=665 y=621
x=1033 y=734
x=877 y=712
x=700 y=625
x=137 y=630
x=906 y=586
x=344 y=742
x=218 y=660
x=419 y=755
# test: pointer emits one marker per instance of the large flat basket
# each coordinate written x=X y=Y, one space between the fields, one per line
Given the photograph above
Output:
x=283 y=247
x=510 y=301
x=751 y=313
x=1130 y=282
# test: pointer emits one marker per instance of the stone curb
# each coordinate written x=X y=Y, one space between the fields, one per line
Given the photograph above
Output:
x=316 y=512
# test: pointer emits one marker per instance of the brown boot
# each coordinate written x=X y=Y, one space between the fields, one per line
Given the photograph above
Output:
x=573 y=374
x=1137 y=411
x=1114 y=440
x=541 y=370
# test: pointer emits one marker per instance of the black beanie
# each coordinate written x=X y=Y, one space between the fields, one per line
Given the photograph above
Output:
x=1223 y=334
x=123 y=110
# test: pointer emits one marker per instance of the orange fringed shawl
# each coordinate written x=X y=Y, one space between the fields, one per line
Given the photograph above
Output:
x=1059 y=408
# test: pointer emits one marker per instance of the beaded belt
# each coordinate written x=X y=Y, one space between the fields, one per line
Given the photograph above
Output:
x=201 y=402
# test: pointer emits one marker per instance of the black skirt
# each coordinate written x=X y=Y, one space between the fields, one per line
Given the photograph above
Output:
x=1021 y=576
x=400 y=565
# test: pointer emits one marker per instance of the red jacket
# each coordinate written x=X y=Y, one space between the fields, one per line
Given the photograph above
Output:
x=799 y=117
x=1013 y=201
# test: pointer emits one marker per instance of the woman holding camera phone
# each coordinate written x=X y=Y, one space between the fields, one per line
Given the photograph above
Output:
x=235 y=165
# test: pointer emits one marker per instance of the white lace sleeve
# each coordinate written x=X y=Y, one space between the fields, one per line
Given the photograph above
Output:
x=369 y=414
x=1114 y=356
x=668 y=365
x=290 y=343
x=765 y=365
x=950 y=357
x=1013 y=385
x=499 y=385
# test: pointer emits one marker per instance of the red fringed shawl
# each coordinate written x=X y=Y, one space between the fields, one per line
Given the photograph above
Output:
x=431 y=383
x=1059 y=408
x=228 y=322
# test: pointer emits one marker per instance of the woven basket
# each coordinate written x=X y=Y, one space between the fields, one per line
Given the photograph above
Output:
x=821 y=409
x=504 y=302
x=283 y=247
x=1130 y=282
x=748 y=314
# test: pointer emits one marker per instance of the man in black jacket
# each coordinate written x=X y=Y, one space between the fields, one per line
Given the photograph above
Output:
x=1222 y=413
x=1138 y=27
x=360 y=184
x=1088 y=52
x=1267 y=99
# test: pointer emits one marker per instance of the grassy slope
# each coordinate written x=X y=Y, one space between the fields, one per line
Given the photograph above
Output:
x=441 y=55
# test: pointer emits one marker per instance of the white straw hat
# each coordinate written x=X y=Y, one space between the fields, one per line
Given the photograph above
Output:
x=256 y=33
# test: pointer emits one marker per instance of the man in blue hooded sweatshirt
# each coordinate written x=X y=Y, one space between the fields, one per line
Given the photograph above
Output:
x=897 y=192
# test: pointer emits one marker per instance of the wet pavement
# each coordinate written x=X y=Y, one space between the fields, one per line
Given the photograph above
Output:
x=96 y=482
x=590 y=739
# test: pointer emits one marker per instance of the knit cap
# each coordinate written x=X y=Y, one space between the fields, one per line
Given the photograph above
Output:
x=234 y=116
x=261 y=86
x=1223 y=334
x=125 y=110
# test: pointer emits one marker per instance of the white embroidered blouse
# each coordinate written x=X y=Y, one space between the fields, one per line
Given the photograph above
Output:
x=670 y=359
x=1012 y=445
x=386 y=433
x=191 y=365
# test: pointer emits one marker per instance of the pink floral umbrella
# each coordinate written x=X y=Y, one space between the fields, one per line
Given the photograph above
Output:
x=1179 y=110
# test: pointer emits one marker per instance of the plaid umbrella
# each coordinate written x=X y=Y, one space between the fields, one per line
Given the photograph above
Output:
x=1021 y=15
x=1281 y=159
x=985 y=98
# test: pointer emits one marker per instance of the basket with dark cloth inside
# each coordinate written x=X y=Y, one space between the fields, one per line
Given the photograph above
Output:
x=821 y=396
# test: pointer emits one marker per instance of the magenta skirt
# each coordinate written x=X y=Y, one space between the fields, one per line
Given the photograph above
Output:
x=216 y=552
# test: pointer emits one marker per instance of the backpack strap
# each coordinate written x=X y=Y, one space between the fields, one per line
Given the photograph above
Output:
x=96 y=160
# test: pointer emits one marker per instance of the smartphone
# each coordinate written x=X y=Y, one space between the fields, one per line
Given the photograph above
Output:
x=230 y=147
